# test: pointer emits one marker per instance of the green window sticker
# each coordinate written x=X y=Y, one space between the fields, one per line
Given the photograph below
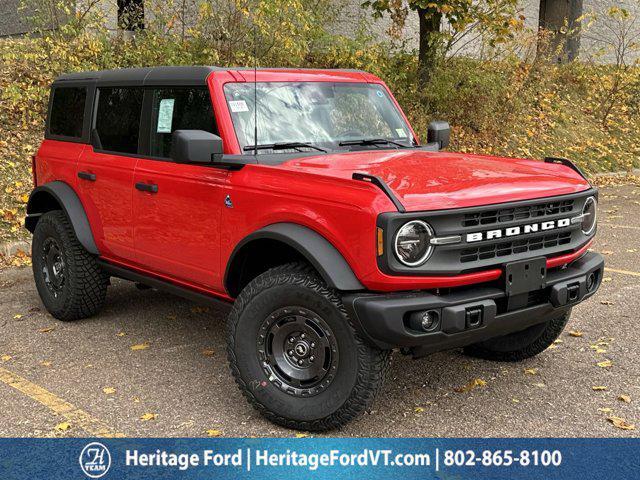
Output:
x=165 y=115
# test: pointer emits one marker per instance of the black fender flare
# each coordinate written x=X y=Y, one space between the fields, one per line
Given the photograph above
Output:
x=70 y=203
x=320 y=253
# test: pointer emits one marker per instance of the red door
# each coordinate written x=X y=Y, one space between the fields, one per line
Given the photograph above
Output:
x=177 y=207
x=177 y=211
x=105 y=184
x=105 y=171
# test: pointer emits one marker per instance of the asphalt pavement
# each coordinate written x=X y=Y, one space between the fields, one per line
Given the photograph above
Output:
x=85 y=379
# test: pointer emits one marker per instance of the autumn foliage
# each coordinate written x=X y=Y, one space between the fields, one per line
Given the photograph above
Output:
x=509 y=103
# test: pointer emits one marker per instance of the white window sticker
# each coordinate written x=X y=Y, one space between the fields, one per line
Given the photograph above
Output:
x=401 y=133
x=165 y=115
x=238 y=106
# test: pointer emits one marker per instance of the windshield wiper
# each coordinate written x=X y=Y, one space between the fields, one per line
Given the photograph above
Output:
x=282 y=146
x=371 y=141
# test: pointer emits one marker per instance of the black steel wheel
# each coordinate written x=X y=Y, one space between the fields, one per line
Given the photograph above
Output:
x=298 y=351
x=295 y=354
x=70 y=282
x=53 y=267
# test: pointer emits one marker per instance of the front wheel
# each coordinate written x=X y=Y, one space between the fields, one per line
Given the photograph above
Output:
x=295 y=355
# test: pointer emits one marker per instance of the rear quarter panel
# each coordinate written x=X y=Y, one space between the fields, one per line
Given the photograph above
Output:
x=56 y=160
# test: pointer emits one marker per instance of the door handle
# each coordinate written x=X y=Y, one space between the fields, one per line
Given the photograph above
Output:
x=147 y=187
x=87 y=176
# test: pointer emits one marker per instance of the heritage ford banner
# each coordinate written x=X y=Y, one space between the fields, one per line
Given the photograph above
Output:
x=304 y=458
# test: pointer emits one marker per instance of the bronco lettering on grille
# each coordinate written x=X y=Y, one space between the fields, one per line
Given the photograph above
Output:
x=518 y=230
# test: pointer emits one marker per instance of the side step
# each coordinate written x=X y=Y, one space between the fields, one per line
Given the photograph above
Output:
x=162 y=285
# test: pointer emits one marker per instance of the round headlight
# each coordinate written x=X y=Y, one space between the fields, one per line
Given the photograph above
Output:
x=412 y=244
x=590 y=215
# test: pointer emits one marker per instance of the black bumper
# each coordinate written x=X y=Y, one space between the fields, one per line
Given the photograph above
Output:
x=383 y=319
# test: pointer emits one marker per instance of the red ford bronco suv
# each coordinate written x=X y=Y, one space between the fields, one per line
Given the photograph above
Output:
x=305 y=198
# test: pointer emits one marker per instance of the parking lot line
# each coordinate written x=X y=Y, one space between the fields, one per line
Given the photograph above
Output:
x=624 y=272
x=74 y=415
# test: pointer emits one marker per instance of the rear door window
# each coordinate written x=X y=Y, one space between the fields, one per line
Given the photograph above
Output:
x=178 y=108
x=118 y=118
x=67 y=111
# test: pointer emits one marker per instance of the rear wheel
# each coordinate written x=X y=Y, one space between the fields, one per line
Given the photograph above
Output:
x=70 y=282
x=295 y=355
x=520 y=345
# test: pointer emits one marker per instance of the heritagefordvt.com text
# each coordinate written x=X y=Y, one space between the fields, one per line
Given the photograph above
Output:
x=248 y=458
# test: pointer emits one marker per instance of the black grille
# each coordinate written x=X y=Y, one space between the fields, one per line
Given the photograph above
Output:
x=539 y=210
x=504 y=249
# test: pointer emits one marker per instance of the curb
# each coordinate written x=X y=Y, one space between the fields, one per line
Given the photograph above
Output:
x=635 y=171
x=9 y=249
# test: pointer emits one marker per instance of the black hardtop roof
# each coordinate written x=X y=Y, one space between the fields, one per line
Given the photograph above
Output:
x=192 y=75
x=181 y=75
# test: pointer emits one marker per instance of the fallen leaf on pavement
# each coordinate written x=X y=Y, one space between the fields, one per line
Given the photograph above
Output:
x=606 y=279
x=605 y=364
x=214 y=433
x=5 y=358
x=302 y=435
x=140 y=346
x=46 y=329
x=575 y=333
x=541 y=385
x=45 y=363
x=624 y=398
x=120 y=334
x=531 y=371
x=109 y=390
x=63 y=427
x=621 y=423
x=477 y=382
x=208 y=352
x=606 y=302
x=599 y=388
x=419 y=409
x=605 y=410
x=149 y=416
x=17 y=316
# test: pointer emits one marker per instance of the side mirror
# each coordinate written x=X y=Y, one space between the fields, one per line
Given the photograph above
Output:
x=195 y=146
x=439 y=132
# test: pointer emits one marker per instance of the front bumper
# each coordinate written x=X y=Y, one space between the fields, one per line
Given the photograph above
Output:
x=383 y=319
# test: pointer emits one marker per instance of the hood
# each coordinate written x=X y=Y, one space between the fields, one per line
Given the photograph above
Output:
x=439 y=180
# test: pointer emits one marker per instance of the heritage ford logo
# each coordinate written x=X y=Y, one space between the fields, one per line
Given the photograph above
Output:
x=519 y=230
x=95 y=460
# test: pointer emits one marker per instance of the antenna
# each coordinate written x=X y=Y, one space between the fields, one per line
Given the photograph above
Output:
x=255 y=91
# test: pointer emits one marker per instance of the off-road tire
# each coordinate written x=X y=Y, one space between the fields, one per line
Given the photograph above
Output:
x=360 y=372
x=520 y=345
x=85 y=284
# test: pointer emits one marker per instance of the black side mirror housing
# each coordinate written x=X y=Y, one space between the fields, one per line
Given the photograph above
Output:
x=195 y=146
x=439 y=132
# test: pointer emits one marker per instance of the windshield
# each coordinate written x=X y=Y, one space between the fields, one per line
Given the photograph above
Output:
x=312 y=116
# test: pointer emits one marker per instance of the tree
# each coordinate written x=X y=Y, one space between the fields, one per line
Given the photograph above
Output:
x=495 y=20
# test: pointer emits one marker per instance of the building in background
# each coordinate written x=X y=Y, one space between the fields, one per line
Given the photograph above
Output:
x=557 y=17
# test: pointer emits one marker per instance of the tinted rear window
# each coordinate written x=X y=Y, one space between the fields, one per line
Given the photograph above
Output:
x=67 y=111
x=118 y=118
